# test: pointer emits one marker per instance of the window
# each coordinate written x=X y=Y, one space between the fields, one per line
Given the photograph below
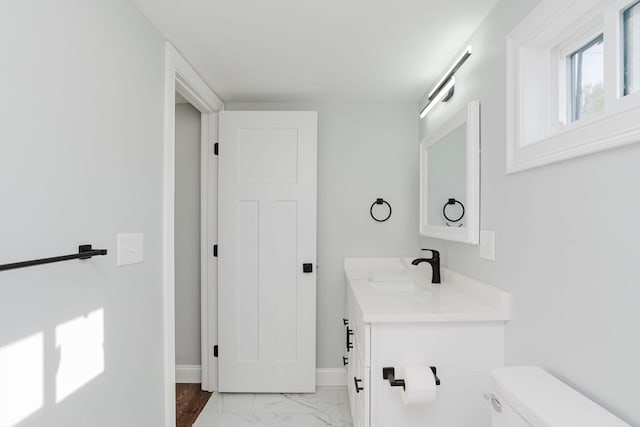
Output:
x=573 y=81
x=586 y=79
x=631 y=32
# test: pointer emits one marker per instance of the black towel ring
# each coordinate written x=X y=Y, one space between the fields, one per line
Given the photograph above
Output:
x=380 y=202
x=452 y=202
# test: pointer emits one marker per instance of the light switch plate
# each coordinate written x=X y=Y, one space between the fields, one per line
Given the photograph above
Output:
x=488 y=245
x=130 y=248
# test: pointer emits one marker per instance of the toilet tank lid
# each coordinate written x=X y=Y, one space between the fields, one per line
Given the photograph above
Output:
x=544 y=401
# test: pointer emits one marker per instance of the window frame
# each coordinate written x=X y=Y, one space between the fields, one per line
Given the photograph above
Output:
x=539 y=131
x=623 y=47
x=561 y=107
x=572 y=94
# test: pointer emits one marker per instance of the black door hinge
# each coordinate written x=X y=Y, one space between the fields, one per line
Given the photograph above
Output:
x=215 y=351
x=215 y=148
x=215 y=250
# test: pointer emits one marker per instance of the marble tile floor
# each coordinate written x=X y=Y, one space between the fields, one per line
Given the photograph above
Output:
x=328 y=407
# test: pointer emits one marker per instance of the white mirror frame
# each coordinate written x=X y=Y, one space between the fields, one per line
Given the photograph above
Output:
x=471 y=232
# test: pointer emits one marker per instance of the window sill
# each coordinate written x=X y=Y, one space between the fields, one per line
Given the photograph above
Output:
x=596 y=134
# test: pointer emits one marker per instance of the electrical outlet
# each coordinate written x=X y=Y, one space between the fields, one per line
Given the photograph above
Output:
x=488 y=245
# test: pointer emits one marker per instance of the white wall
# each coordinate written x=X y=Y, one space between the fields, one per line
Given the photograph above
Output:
x=566 y=241
x=365 y=151
x=187 y=232
x=81 y=123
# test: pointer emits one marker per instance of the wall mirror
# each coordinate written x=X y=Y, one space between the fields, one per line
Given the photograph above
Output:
x=450 y=179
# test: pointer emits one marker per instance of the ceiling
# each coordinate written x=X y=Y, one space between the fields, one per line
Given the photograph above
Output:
x=318 y=50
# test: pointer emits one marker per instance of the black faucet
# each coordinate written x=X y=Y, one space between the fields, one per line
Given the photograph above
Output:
x=434 y=261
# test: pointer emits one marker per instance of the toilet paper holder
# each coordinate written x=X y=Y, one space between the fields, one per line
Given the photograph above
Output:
x=390 y=375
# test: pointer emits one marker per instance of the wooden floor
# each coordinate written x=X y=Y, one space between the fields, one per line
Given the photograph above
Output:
x=190 y=401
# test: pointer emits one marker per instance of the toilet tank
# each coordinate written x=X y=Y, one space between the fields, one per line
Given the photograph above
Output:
x=527 y=396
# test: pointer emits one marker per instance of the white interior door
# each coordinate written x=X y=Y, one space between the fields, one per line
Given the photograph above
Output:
x=266 y=233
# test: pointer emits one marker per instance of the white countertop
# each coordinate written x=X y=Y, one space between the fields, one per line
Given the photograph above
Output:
x=374 y=281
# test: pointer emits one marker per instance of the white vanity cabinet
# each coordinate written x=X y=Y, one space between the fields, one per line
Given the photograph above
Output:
x=458 y=327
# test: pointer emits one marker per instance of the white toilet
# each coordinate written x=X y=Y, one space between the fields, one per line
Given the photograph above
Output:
x=527 y=396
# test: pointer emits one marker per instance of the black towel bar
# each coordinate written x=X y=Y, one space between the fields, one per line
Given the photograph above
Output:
x=84 y=252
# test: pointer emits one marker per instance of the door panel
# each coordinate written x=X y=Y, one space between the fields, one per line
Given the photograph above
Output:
x=267 y=230
x=280 y=146
x=248 y=292
x=286 y=280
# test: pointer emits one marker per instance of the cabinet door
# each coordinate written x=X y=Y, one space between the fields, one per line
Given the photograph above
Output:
x=446 y=346
x=360 y=383
x=360 y=387
x=366 y=396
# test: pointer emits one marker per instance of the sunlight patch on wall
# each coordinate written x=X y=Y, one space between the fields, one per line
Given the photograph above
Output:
x=80 y=344
x=21 y=379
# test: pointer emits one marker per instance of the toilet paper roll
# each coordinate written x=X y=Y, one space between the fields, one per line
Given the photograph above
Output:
x=420 y=385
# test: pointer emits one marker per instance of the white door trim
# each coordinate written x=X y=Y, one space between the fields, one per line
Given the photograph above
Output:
x=181 y=77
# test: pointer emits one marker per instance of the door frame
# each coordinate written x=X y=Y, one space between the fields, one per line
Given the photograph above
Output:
x=181 y=77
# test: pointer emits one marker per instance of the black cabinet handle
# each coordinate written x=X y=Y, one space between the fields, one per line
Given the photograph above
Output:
x=435 y=374
x=358 y=388
x=345 y=361
x=349 y=343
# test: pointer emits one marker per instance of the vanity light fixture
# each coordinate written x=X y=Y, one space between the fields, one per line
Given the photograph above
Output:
x=447 y=91
x=443 y=91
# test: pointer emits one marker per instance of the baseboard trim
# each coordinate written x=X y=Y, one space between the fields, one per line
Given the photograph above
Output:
x=331 y=377
x=190 y=374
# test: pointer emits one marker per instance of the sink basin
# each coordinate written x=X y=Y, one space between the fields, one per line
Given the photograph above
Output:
x=393 y=286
